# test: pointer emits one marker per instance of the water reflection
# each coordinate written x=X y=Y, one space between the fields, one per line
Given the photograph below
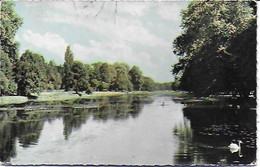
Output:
x=205 y=137
x=18 y=125
x=24 y=122
x=125 y=127
x=7 y=137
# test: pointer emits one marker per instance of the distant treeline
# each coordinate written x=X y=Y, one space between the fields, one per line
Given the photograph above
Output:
x=33 y=75
x=30 y=73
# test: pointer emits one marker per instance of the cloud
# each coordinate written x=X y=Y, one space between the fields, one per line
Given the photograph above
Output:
x=139 y=33
x=112 y=51
x=170 y=11
x=126 y=29
x=88 y=8
x=49 y=41
x=134 y=8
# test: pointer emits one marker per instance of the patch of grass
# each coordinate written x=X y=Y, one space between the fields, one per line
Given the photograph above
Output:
x=58 y=95
x=107 y=94
x=12 y=100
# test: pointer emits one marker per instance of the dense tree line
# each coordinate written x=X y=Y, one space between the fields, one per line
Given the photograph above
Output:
x=31 y=74
x=34 y=75
x=217 y=48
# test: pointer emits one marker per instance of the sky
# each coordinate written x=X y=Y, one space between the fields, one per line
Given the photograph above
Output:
x=137 y=33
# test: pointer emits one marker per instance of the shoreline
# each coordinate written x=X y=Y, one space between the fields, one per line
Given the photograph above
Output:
x=61 y=95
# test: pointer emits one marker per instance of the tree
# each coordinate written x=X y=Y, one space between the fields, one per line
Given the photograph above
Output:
x=54 y=79
x=206 y=64
x=122 y=81
x=94 y=75
x=104 y=73
x=68 y=75
x=243 y=71
x=8 y=86
x=136 y=78
x=10 y=22
x=104 y=77
x=112 y=75
x=149 y=84
x=31 y=75
x=80 y=77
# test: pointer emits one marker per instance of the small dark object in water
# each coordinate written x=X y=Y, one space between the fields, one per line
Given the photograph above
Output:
x=32 y=97
x=162 y=104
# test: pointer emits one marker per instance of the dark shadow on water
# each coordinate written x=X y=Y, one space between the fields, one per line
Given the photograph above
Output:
x=14 y=125
x=209 y=129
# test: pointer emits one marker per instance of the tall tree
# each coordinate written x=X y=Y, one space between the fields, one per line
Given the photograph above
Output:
x=7 y=84
x=136 y=78
x=31 y=75
x=149 y=84
x=104 y=72
x=54 y=79
x=122 y=81
x=80 y=77
x=112 y=75
x=68 y=75
x=205 y=62
x=94 y=74
x=10 y=22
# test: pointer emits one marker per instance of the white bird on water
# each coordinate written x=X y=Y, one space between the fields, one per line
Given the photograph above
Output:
x=233 y=147
x=162 y=104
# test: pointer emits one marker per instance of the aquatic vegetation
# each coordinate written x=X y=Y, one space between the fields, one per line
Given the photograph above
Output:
x=183 y=132
x=231 y=132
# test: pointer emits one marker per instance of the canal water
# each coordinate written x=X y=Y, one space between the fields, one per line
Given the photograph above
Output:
x=136 y=130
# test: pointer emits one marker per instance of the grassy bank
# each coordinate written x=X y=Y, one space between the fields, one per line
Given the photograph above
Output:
x=61 y=95
x=12 y=100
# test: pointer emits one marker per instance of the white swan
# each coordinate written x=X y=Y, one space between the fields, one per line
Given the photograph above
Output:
x=234 y=147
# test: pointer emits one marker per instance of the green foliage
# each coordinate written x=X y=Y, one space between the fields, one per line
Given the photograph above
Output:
x=163 y=86
x=67 y=75
x=104 y=73
x=122 y=81
x=207 y=64
x=31 y=75
x=103 y=86
x=94 y=75
x=148 y=84
x=136 y=78
x=242 y=75
x=10 y=22
x=80 y=76
x=5 y=65
x=7 y=87
x=54 y=79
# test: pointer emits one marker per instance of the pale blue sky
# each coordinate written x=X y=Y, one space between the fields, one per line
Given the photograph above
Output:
x=140 y=33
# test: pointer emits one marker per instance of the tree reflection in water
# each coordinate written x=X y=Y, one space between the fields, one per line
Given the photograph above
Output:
x=17 y=126
x=205 y=136
x=24 y=122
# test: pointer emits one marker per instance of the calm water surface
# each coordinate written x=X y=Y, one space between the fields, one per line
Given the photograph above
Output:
x=130 y=130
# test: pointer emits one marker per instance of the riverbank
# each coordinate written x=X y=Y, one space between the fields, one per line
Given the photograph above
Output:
x=61 y=95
